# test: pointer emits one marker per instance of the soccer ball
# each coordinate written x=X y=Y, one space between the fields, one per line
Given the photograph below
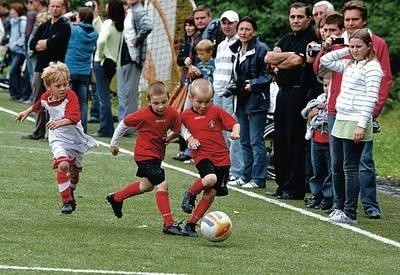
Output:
x=216 y=226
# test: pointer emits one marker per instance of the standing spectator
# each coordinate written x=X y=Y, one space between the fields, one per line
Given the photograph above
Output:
x=137 y=26
x=5 y=19
x=202 y=17
x=321 y=10
x=185 y=58
x=222 y=76
x=355 y=17
x=152 y=124
x=289 y=146
x=252 y=101
x=49 y=43
x=362 y=75
x=205 y=124
x=79 y=58
x=107 y=53
x=67 y=140
x=16 y=46
x=206 y=66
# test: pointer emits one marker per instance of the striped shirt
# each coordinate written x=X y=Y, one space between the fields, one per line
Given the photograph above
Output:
x=359 y=89
x=223 y=65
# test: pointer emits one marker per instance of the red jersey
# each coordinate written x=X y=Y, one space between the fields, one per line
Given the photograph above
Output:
x=66 y=108
x=152 y=131
x=207 y=129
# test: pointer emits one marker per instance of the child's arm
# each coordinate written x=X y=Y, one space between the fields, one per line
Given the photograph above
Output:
x=191 y=141
x=170 y=137
x=235 y=133
x=118 y=134
x=54 y=124
x=24 y=114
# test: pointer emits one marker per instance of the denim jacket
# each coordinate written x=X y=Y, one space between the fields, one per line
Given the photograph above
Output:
x=17 y=36
x=250 y=67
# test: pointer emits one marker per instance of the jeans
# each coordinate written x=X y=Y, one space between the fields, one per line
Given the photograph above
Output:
x=235 y=148
x=368 y=179
x=321 y=181
x=15 y=78
x=345 y=174
x=103 y=93
x=253 y=146
x=79 y=84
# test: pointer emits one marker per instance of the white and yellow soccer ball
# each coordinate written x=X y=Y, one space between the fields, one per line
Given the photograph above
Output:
x=216 y=226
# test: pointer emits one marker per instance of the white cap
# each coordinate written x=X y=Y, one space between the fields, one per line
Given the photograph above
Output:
x=231 y=15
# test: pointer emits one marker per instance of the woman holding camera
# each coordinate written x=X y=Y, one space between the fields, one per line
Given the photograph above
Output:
x=251 y=101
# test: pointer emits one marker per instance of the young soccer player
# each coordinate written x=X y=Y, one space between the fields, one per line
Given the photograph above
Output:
x=152 y=124
x=67 y=140
x=202 y=127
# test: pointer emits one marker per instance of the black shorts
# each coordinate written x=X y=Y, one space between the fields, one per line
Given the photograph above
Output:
x=152 y=170
x=206 y=167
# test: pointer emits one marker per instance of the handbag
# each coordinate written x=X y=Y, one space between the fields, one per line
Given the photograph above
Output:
x=109 y=67
x=178 y=96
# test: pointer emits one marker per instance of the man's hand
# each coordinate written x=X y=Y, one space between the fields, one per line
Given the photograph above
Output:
x=358 y=134
x=41 y=45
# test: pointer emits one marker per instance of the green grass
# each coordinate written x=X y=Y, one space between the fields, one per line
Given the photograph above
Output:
x=266 y=238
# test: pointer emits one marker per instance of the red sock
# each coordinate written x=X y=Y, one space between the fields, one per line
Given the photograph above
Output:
x=73 y=183
x=200 y=209
x=129 y=191
x=196 y=187
x=63 y=182
x=162 y=200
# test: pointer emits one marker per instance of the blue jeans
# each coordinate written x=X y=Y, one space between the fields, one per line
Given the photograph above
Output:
x=345 y=174
x=103 y=94
x=253 y=146
x=79 y=84
x=368 y=179
x=15 y=78
x=321 y=181
x=235 y=148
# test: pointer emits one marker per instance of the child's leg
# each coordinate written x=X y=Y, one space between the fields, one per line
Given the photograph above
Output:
x=162 y=201
x=74 y=179
x=203 y=205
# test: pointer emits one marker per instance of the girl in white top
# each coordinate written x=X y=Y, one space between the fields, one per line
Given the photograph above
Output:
x=358 y=96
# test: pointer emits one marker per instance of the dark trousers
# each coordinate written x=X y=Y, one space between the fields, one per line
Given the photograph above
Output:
x=42 y=117
x=289 y=142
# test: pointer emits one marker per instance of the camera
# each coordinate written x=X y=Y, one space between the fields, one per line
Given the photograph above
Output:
x=231 y=89
x=313 y=49
x=338 y=40
x=72 y=18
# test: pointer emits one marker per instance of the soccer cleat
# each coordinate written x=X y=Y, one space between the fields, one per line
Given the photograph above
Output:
x=116 y=206
x=173 y=229
x=188 y=202
x=68 y=207
x=190 y=230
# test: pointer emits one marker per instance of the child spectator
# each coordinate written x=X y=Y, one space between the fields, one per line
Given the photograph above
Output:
x=67 y=140
x=203 y=126
x=317 y=120
x=152 y=124
x=205 y=68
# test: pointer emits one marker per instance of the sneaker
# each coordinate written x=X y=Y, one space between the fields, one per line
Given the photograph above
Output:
x=325 y=205
x=68 y=207
x=313 y=202
x=237 y=182
x=341 y=217
x=116 y=206
x=251 y=184
x=189 y=161
x=173 y=229
x=188 y=202
x=374 y=214
x=190 y=230
x=232 y=180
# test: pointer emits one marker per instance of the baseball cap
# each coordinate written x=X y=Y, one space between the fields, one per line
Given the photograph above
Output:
x=231 y=15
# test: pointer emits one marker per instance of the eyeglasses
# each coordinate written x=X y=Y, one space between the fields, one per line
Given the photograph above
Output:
x=30 y=2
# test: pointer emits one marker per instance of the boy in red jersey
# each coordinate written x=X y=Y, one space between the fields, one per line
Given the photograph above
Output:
x=67 y=140
x=152 y=124
x=202 y=127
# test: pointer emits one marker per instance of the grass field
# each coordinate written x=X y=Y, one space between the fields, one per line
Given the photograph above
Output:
x=269 y=236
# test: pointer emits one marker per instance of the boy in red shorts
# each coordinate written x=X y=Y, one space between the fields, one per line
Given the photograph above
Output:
x=202 y=127
x=152 y=124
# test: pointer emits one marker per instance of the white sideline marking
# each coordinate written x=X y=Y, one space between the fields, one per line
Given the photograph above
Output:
x=32 y=149
x=70 y=270
x=245 y=192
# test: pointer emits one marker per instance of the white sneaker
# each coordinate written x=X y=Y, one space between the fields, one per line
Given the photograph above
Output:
x=189 y=161
x=237 y=182
x=341 y=217
x=250 y=184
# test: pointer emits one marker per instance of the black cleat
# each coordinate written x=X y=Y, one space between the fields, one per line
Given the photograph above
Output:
x=173 y=229
x=116 y=206
x=190 y=230
x=188 y=202
x=68 y=207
